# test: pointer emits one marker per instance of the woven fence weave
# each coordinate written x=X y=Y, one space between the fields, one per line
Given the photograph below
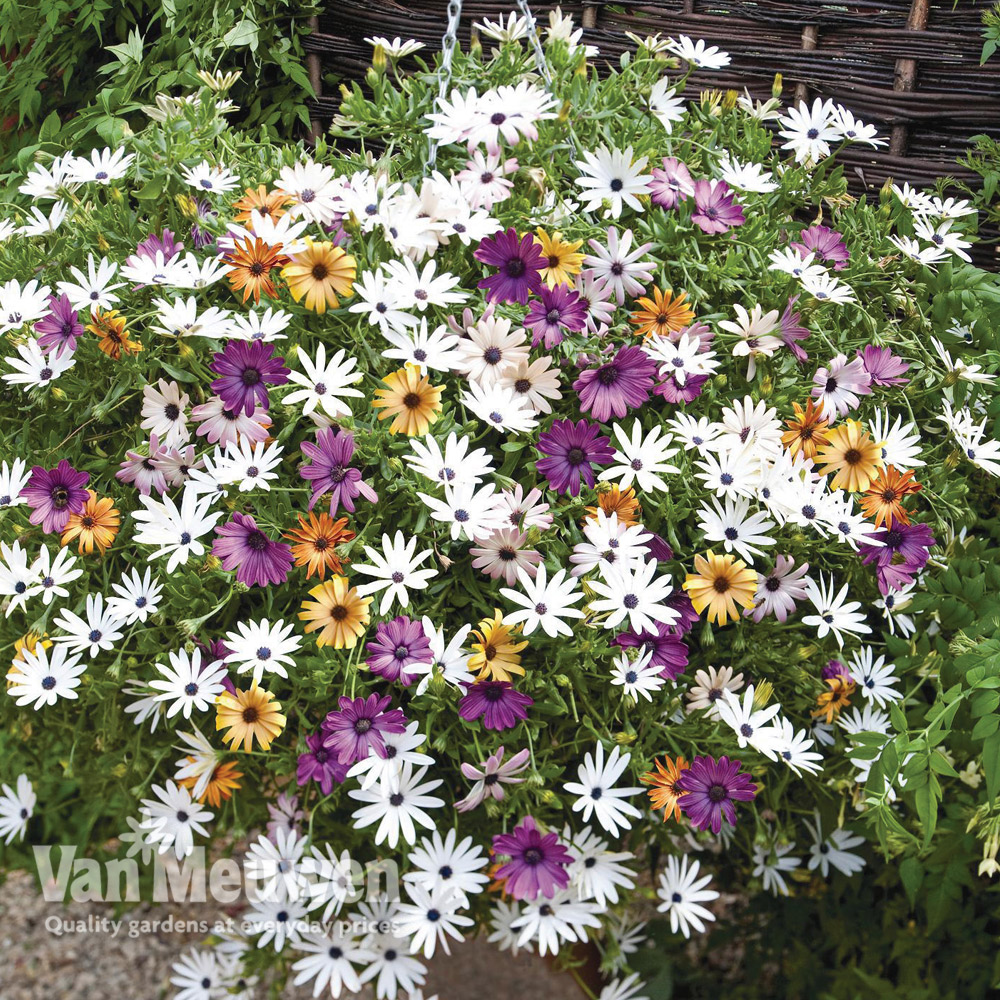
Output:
x=911 y=67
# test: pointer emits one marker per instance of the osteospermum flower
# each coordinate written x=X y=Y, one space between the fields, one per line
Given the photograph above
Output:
x=609 y=175
x=663 y=314
x=270 y=204
x=715 y=207
x=315 y=541
x=113 y=336
x=97 y=524
x=257 y=559
x=251 y=262
x=838 y=386
x=359 y=726
x=410 y=399
x=559 y=308
x=807 y=431
x=55 y=494
x=398 y=644
x=683 y=893
x=719 y=583
x=883 y=500
x=712 y=787
x=618 y=501
x=663 y=792
x=318 y=274
x=538 y=862
x=851 y=455
x=245 y=370
x=490 y=777
x=496 y=655
x=899 y=553
x=330 y=472
x=247 y=716
x=838 y=696
x=519 y=261
x=572 y=450
x=60 y=328
x=618 y=385
x=338 y=613
x=497 y=703
x=562 y=259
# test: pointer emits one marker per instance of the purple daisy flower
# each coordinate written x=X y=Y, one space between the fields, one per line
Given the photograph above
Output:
x=712 y=787
x=357 y=728
x=499 y=705
x=826 y=243
x=619 y=385
x=54 y=494
x=903 y=554
x=398 y=644
x=671 y=185
x=791 y=330
x=538 y=862
x=681 y=603
x=559 y=309
x=884 y=367
x=670 y=652
x=142 y=470
x=246 y=368
x=257 y=559
x=330 y=472
x=520 y=264
x=573 y=449
x=320 y=764
x=60 y=328
x=834 y=668
x=200 y=237
x=153 y=244
x=693 y=387
x=658 y=548
x=715 y=207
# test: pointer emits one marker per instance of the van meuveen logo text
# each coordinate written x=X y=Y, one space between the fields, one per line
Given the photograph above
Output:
x=65 y=877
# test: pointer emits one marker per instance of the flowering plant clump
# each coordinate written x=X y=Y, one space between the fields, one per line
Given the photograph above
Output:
x=593 y=516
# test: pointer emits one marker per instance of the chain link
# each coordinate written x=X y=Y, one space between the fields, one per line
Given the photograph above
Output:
x=448 y=41
x=543 y=66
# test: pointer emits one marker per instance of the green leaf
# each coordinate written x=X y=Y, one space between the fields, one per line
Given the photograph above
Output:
x=927 y=810
x=991 y=765
x=986 y=726
x=242 y=33
x=152 y=189
x=911 y=873
x=940 y=764
x=50 y=127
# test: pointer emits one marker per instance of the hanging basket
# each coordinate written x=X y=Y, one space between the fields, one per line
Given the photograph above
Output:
x=911 y=67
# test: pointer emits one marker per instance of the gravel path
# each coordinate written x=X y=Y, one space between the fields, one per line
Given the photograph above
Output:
x=94 y=965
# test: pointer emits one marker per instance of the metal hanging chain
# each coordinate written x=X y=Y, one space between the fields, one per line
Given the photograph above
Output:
x=543 y=66
x=448 y=41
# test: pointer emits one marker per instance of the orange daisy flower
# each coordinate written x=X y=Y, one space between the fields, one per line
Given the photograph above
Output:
x=664 y=792
x=268 y=203
x=615 y=500
x=316 y=538
x=115 y=339
x=252 y=261
x=224 y=780
x=884 y=498
x=320 y=273
x=807 y=431
x=719 y=583
x=851 y=455
x=97 y=524
x=662 y=314
x=829 y=703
